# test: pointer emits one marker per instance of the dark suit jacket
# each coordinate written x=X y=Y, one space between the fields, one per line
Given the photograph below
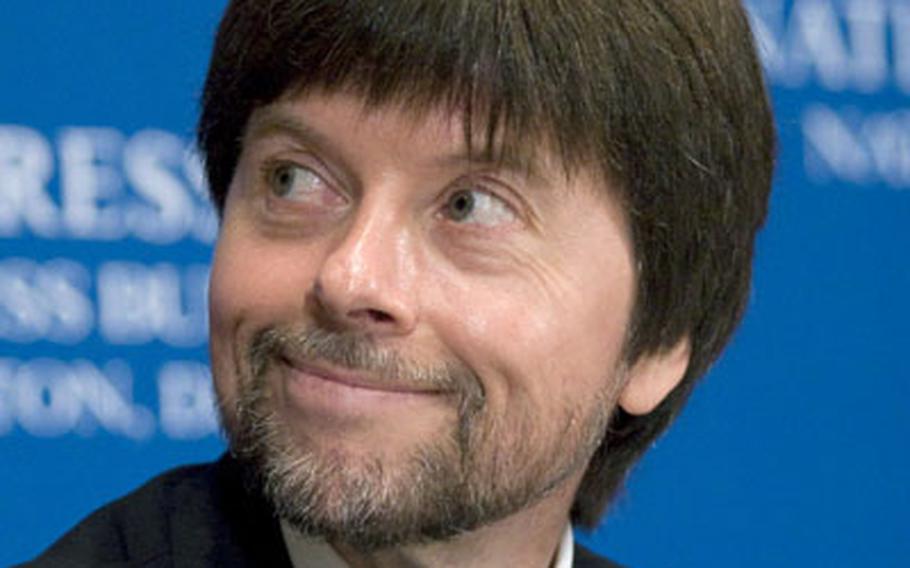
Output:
x=193 y=517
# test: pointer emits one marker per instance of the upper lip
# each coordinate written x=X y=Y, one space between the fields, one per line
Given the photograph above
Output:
x=358 y=379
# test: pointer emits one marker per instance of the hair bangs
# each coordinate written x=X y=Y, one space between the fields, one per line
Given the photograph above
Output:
x=477 y=60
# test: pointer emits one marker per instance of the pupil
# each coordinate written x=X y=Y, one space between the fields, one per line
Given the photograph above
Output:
x=284 y=178
x=462 y=204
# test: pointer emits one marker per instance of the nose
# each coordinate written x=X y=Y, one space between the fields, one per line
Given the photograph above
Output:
x=366 y=279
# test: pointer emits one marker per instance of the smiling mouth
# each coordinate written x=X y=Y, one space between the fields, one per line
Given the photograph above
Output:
x=358 y=380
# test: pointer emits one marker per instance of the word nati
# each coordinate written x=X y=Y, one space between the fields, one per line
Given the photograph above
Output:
x=849 y=146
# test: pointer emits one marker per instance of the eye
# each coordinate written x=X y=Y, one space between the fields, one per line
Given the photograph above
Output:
x=300 y=184
x=477 y=207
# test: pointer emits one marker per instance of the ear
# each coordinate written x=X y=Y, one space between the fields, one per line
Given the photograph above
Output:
x=653 y=376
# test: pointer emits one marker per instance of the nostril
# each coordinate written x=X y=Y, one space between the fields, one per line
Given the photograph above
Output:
x=379 y=316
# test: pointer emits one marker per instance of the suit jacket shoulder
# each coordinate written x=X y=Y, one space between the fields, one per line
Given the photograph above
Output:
x=191 y=516
x=584 y=558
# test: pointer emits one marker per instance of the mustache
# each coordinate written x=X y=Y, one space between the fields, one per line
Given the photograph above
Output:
x=358 y=352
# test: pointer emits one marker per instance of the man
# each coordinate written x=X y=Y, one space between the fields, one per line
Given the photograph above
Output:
x=473 y=256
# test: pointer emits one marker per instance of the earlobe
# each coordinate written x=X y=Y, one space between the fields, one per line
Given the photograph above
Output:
x=653 y=377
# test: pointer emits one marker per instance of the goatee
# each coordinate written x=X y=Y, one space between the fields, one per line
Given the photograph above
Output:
x=476 y=473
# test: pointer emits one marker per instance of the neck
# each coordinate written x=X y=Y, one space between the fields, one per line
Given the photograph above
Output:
x=530 y=537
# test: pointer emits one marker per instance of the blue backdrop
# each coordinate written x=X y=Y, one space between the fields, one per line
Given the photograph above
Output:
x=794 y=451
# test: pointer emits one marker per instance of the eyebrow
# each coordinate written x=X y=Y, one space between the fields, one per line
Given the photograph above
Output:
x=270 y=120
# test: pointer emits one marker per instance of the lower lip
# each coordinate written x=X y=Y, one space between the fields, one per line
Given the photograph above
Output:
x=316 y=394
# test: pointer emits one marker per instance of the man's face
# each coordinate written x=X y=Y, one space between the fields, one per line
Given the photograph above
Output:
x=409 y=343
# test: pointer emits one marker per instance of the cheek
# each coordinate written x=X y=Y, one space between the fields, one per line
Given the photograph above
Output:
x=552 y=343
x=251 y=286
x=226 y=306
x=220 y=284
x=569 y=352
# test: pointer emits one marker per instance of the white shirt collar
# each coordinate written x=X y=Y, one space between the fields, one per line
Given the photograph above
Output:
x=565 y=554
x=317 y=553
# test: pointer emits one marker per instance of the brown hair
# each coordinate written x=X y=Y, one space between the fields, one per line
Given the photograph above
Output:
x=664 y=98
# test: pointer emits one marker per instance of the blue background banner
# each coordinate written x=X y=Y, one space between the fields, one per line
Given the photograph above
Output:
x=794 y=451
